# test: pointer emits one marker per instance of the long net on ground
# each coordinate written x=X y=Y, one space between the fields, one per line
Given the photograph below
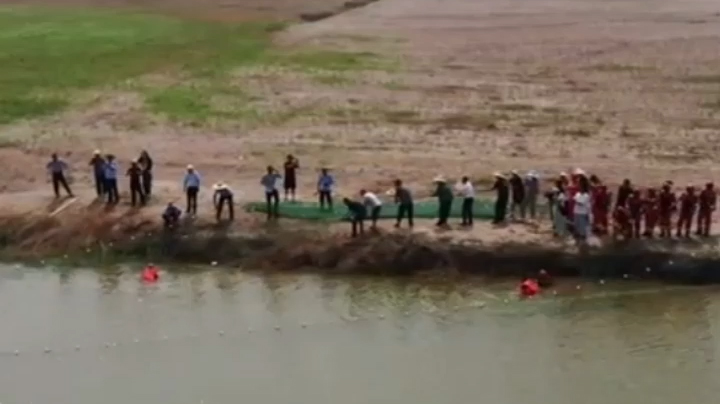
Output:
x=483 y=209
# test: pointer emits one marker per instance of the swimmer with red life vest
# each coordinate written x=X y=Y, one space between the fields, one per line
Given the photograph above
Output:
x=150 y=273
x=530 y=287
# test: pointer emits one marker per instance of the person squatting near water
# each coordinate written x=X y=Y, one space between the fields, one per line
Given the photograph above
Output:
x=57 y=169
x=221 y=197
x=171 y=216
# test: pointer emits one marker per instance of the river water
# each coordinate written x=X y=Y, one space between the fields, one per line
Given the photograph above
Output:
x=101 y=336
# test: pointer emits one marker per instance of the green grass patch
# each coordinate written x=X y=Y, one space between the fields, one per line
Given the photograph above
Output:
x=58 y=51
x=703 y=79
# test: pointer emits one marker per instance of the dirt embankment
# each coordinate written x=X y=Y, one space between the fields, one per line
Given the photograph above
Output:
x=93 y=239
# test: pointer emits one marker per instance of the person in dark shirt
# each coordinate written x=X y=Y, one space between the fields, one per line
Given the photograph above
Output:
x=445 y=198
x=57 y=168
x=624 y=192
x=136 y=191
x=404 y=200
x=518 y=196
x=171 y=215
x=146 y=164
x=290 y=179
x=358 y=213
x=97 y=162
x=223 y=195
x=502 y=189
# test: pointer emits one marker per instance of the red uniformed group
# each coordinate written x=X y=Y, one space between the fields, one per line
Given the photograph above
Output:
x=637 y=212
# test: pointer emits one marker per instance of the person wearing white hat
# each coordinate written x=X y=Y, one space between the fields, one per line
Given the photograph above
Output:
x=502 y=189
x=445 y=199
x=191 y=186
x=223 y=195
x=97 y=162
x=532 y=188
x=467 y=192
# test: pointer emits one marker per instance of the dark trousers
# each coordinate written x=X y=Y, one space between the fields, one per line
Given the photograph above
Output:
x=272 y=202
x=147 y=182
x=358 y=225
x=191 y=194
x=221 y=203
x=111 y=190
x=444 y=212
x=405 y=209
x=500 y=211
x=375 y=215
x=136 y=193
x=100 y=184
x=325 y=196
x=170 y=220
x=467 y=211
x=57 y=180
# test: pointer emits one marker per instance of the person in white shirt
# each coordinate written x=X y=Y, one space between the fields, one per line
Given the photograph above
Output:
x=373 y=204
x=467 y=193
x=581 y=211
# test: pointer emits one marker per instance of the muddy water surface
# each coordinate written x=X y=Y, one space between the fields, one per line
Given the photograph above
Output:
x=89 y=336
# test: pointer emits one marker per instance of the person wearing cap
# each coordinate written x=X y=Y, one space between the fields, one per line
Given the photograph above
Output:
x=445 y=199
x=518 y=195
x=325 y=185
x=373 y=204
x=467 y=193
x=191 y=185
x=358 y=213
x=706 y=205
x=406 y=205
x=97 y=162
x=223 y=195
x=57 y=168
x=502 y=197
x=171 y=215
x=136 y=191
x=290 y=166
x=532 y=189
x=269 y=181
x=110 y=174
x=146 y=164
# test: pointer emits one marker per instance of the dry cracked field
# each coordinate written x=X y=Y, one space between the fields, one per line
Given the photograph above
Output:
x=623 y=89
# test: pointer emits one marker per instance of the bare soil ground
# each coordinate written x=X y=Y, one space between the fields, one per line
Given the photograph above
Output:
x=622 y=89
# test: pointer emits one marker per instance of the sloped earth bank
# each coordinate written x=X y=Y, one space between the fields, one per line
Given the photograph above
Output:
x=110 y=239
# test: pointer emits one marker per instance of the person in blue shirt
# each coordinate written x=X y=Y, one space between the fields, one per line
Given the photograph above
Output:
x=269 y=181
x=191 y=185
x=325 y=186
x=111 y=187
x=223 y=195
x=57 y=168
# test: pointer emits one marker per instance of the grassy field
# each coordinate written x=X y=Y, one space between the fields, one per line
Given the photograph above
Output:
x=48 y=54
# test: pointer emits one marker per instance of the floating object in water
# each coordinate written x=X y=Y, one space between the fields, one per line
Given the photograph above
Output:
x=647 y=269
x=578 y=287
x=16 y=352
x=114 y=344
x=17 y=266
x=250 y=330
x=139 y=299
x=132 y=237
x=625 y=276
x=77 y=347
x=107 y=345
x=214 y=263
x=381 y=316
x=407 y=313
x=303 y=325
x=506 y=301
x=602 y=281
x=136 y=340
x=481 y=305
x=165 y=338
x=670 y=262
x=456 y=308
x=65 y=256
x=554 y=292
x=47 y=350
x=87 y=250
x=529 y=288
x=277 y=328
x=42 y=262
x=150 y=273
x=221 y=332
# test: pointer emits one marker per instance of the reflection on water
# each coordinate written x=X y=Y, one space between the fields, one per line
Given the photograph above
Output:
x=224 y=336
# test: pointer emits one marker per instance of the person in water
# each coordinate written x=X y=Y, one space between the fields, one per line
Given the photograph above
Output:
x=357 y=213
x=136 y=190
x=222 y=196
x=171 y=216
x=445 y=199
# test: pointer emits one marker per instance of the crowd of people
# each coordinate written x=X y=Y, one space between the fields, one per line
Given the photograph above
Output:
x=578 y=204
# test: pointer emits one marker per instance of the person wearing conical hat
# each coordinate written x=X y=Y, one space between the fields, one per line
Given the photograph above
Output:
x=445 y=198
x=191 y=186
x=136 y=191
x=97 y=162
x=222 y=196
x=502 y=190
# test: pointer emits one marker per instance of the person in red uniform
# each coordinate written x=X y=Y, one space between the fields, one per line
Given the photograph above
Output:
x=635 y=209
x=601 y=209
x=622 y=225
x=651 y=211
x=706 y=205
x=667 y=204
x=688 y=206
x=624 y=191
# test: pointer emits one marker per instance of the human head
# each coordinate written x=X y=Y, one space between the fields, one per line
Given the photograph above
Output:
x=594 y=179
x=465 y=179
x=560 y=184
x=290 y=157
x=324 y=171
x=709 y=186
x=110 y=157
x=626 y=182
x=190 y=168
x=144 y=153
x=96 y=153
x=346 y=201
x=690 y=188
x=363 y=192
x=54 y=156
x=398 y=183
x=270 y=169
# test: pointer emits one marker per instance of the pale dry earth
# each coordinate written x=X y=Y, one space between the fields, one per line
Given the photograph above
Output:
x=622 y=89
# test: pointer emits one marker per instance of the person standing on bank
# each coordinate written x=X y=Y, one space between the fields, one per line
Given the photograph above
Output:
x=325 y=185
x=467 y=192
x=532 y=191
x=111 y=186
x=373 y=204
x=581 y=210
x=272 y=196
x=98 y=166
x=223 y=195
x=518 y=196
x=191 y=185
x=502 y=189
x=57 y=169
x=146 y=164
x=136 y=190
x=357 y=216
x=404 y=200
x=445 y=199
x=290 y=179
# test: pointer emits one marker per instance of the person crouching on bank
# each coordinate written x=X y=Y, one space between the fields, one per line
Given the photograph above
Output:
x=223 y=195
x=373 y=204
x=357 y=216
